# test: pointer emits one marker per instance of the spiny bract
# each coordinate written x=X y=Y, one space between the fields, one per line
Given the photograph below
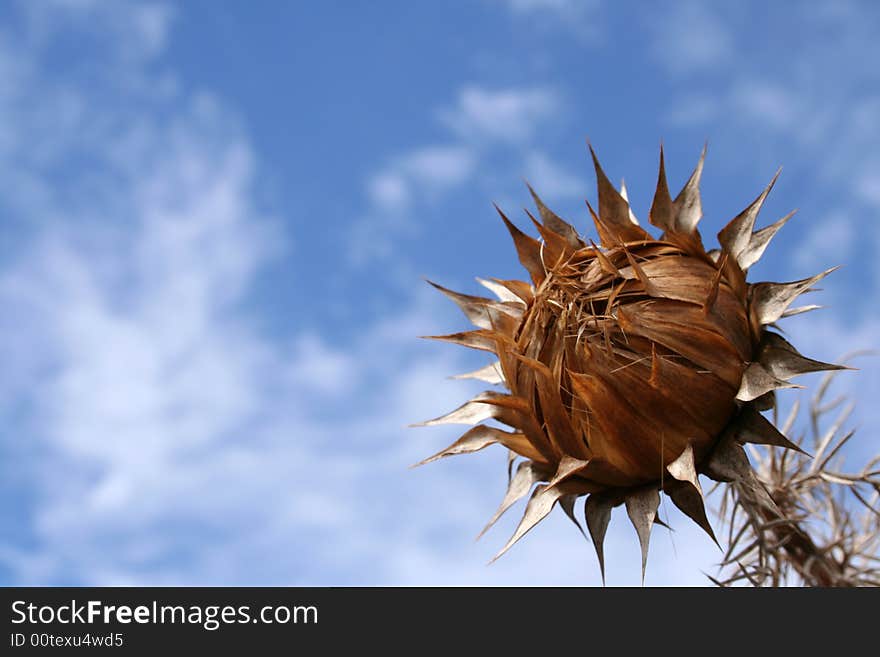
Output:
x=633 y=366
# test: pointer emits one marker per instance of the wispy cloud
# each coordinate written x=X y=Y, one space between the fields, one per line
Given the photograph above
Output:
x=540 y=5
x=151 y=364
x=690 y=36
x=694 y=109
x=770 y=103
x=580 y=17
x=171 y=441
x=500 y=114
x=133 y=30
x=389 y=190
x=439 y=166
x=423 y=172
x=421 y=175
x=481 y=123
x=867 y=184
x=826 y=243
x=553 y=181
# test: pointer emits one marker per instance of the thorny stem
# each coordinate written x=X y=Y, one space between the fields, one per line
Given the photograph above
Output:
x=799 y=523
x=813 y=564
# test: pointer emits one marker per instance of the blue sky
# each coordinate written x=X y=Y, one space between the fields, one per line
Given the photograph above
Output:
x=215 y=221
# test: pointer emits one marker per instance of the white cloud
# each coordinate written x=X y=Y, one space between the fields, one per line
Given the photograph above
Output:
x=149 y=368
x=761 y=102
x=173 y=442
x=482 y=122
x=423 y=172
x=551 y=180
x=438 y=167
x=321 y=369
x=822 y=100
x=422 y=175
x=581 y=17
x=500 y=114
x=825 y=244
x=134 y=30
x=693 y=109
x=867 y=184
x=690 y=37
x=389 y=190
x=768 y=103
x=540 y=5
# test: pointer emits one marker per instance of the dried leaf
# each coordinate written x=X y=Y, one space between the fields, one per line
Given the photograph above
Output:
x=686 y=207
x=516 y=412
x=471 y=412
x=568 y=467
x=474 y=440
x=621 y=433
x=752 y=427
x=714 y=285
x=528 y=249
x=783 y=361
x=481 y=339
x=683 y=468
x=649 y=287
x=567 y=503
x=684 y=331
x=625 y=197
x=527 y=474
x=686 y=492
x=661 y=213
x=757 y=381
x=728 y=462
x=555 y=415
x=490 y=374
x=555 y=250
x=759 y=241
x=501 y=291
x=613 y=223
x=555 y=223
x=689 y=500
x=607 y=266
x=736 y=235
x=482 y=312
x=539 y=506
x=764 y=402
x=770 y=300
x=791 y=312
x=522 y=290
x=597 y=513
x=641 y=507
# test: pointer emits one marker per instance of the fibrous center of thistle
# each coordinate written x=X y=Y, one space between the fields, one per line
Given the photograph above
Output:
x=645 y=348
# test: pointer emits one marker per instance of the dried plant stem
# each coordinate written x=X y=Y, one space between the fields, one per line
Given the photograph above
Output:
x=803 y=520
x=782 y=531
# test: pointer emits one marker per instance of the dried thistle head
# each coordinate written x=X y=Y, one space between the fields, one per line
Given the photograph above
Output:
x=633 y=366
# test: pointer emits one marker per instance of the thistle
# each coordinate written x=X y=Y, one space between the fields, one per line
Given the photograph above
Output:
x=632 y=366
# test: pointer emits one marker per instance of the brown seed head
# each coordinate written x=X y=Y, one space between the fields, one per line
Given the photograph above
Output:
x=631 y=366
